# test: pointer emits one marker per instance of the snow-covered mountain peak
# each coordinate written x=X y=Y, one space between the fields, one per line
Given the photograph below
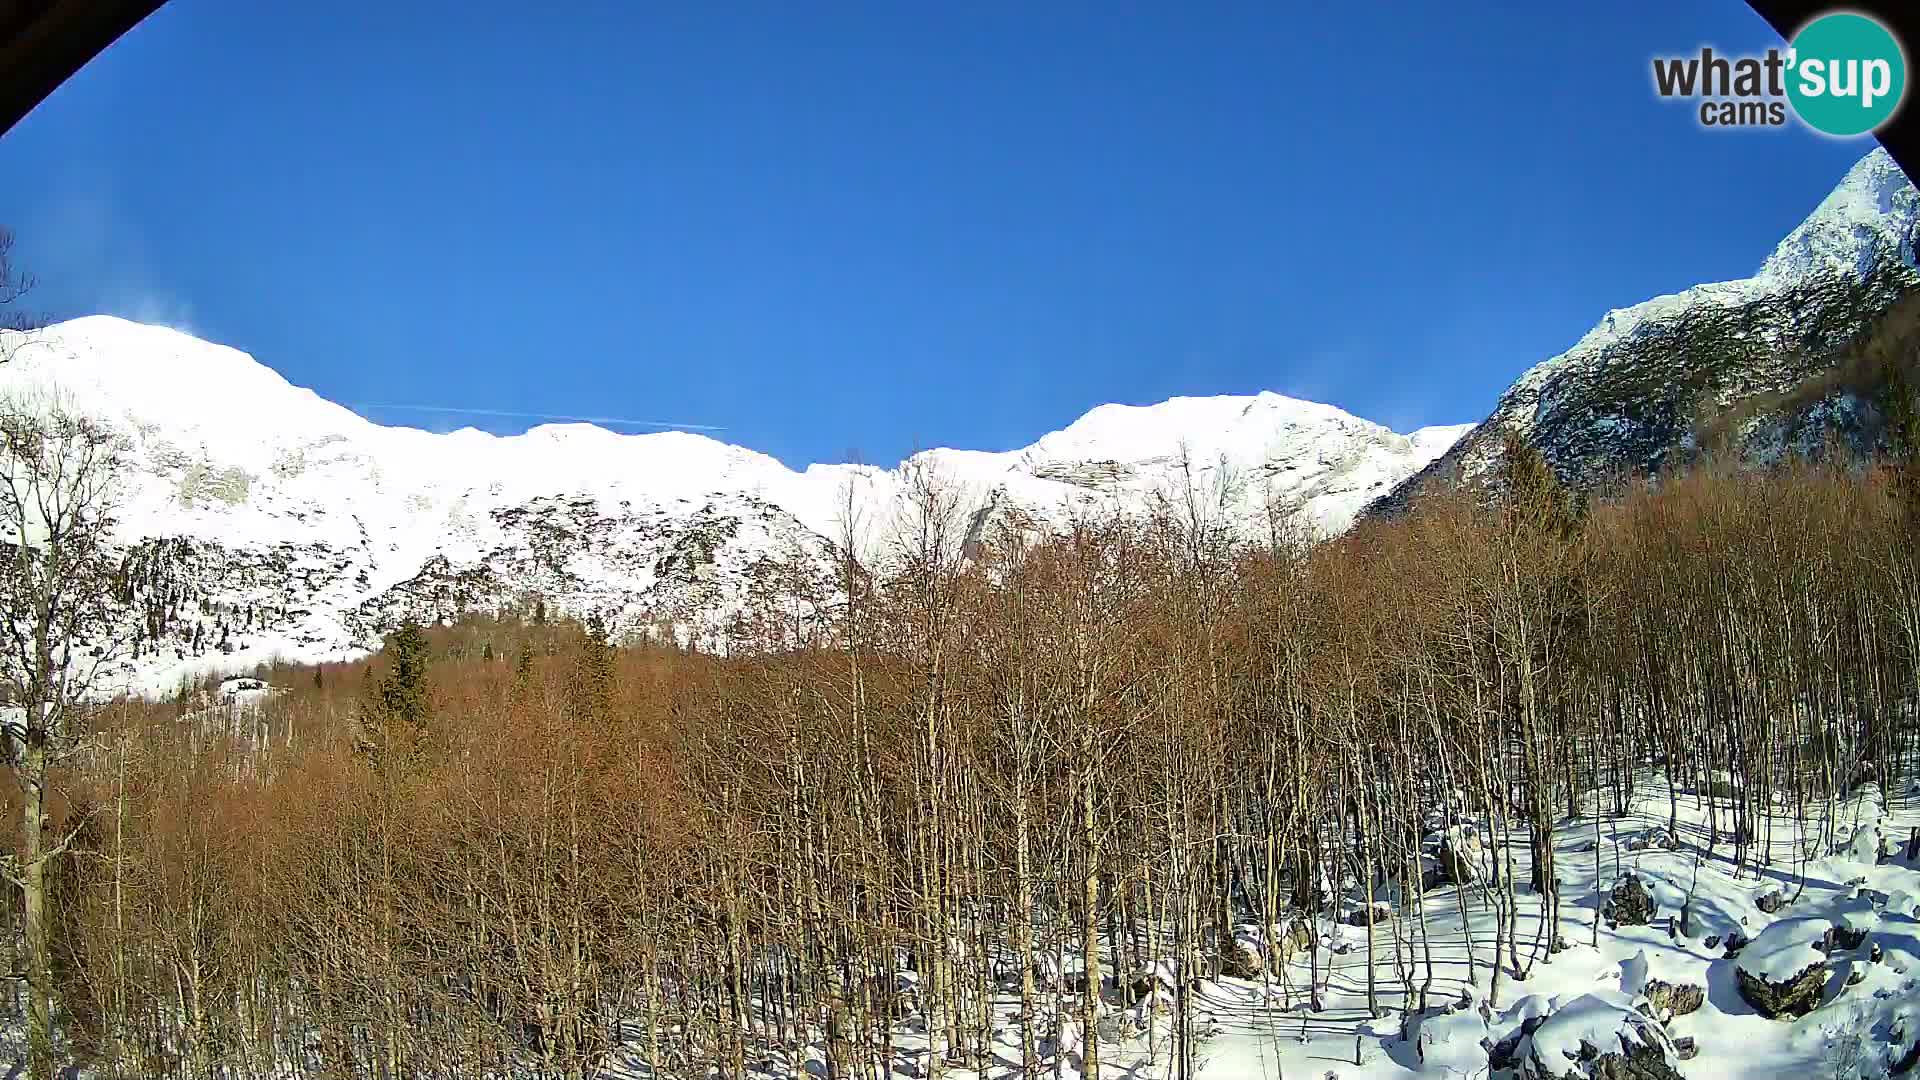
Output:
x=1633 y=393
x=1873 y=209
x=326 y=528
x=168 y=370
x=1438 y=438
x=161 y=379
x=1245 y=430
x=1871 y=215
x=592 y=452
x=1867 y=221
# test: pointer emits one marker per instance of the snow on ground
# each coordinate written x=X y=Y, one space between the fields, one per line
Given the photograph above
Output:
x=154 y=681
x=1604 y=1020
x=1868 y=1019
x=1786 y=949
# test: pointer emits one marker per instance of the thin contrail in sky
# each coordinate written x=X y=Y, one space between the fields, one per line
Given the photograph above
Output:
x=621 y=421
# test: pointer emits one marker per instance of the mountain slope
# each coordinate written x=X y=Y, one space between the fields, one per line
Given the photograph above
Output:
x=1635 y=392
x=263 y=519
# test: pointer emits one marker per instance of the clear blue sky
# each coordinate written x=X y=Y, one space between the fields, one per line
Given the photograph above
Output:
x=832 y=227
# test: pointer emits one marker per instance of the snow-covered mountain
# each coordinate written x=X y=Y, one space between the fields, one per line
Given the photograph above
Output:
x=264 y=520
x=1749 y=362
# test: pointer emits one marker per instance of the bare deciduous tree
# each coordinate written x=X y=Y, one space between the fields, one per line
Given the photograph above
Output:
x=14 y=284
x=58 y=482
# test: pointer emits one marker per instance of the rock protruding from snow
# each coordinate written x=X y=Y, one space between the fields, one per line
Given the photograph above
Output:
x=1867 y=844
x=1371 y=914
x=1630 y=903
x=1782 y=972
x=1459 y=855
x=1242 y=957
x=1668 y=1000
x=1657 y=838
x=1158 y=981
x=241 y=686
x=1599 y=1036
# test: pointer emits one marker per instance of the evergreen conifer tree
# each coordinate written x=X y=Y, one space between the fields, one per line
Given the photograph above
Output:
x=523 y=670
x=396 y=713
x=593 y=673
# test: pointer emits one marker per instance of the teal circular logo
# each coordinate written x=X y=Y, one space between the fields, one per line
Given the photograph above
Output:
x=1847 y=74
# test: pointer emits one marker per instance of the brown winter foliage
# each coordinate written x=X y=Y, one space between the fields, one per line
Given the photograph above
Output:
x=1110 y=747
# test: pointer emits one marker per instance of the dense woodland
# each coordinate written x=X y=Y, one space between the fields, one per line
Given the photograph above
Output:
x=1008 y=769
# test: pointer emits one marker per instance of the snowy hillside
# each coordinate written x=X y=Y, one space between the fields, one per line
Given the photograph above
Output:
x=268 y=521
x=1699 y=967
x=1631 y=393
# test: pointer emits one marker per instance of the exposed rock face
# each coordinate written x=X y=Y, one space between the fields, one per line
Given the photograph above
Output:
x=1907 y=1061
x=1505 y=1054
x=1297 y=939
x=1370 y=915
x=1653 y=838
x=1745 y=365
x=1629 y=904
x=1634 y=1063
x=1157 y=981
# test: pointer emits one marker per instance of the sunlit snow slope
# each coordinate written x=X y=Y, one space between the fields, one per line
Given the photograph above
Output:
x=280 y=523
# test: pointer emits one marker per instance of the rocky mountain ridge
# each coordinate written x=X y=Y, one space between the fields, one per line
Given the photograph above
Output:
x=261 y=520
x=1742 y=364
